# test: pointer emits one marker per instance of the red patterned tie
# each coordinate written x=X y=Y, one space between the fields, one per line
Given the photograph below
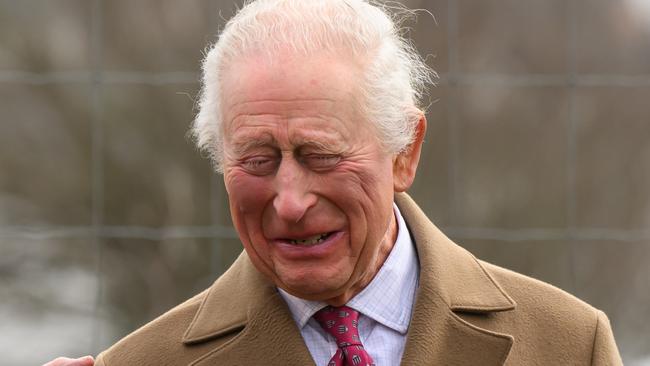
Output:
x=341 y=323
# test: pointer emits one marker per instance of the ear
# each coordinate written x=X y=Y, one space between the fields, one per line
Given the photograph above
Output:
x=406 y=163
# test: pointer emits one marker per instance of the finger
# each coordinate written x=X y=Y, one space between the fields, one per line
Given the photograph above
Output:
x=59 y=361
x=84 y=361
x=65 y=361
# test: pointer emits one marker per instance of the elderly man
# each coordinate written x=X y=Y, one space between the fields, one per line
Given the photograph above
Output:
x=309 y=109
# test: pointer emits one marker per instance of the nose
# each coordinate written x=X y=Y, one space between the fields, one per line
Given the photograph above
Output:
x=293 y=196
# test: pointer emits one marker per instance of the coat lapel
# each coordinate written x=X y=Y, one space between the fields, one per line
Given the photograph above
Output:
x=451 y=281
x=243 y=301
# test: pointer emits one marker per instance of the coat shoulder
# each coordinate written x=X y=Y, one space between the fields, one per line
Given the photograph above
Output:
x=532 y=295
x=158 y=341
x=563 y=325
x=193 y=329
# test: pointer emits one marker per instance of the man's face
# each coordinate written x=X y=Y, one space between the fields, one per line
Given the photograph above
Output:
x=310 y=187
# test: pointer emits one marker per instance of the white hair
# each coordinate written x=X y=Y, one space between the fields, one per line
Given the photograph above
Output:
x=394 y=77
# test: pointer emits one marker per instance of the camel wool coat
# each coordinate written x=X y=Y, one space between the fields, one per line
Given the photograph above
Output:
x=467 y=312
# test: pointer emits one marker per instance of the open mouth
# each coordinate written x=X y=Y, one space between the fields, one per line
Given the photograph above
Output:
x=312 y=240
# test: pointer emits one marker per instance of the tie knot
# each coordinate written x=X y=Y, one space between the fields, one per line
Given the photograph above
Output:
x=341 y=322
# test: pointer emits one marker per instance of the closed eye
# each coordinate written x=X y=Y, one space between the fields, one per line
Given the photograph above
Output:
x=320 y=162
x=259 y=165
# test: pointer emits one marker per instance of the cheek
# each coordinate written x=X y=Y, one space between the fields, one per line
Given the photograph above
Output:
x=247 y=194
x=372 y=181
x=370 y=188
x=365 y=197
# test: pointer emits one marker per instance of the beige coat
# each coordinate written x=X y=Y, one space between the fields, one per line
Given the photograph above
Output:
x=467 y=312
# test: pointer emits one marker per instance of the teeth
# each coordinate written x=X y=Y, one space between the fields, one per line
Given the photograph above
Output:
x=310 y=241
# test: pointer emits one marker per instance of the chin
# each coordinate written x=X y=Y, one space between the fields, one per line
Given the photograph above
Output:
x=316 y=286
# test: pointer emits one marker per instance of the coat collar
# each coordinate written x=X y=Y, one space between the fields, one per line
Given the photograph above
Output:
x=451 y=280
x=448 y=270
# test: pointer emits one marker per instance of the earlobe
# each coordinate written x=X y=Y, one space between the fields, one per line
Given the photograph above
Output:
x=406 y=163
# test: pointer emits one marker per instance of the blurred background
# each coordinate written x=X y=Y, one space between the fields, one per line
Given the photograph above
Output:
x=537 y=158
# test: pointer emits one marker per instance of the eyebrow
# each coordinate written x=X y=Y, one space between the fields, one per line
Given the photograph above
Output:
x=248 y=145
x=243 y=145
x=331 y=146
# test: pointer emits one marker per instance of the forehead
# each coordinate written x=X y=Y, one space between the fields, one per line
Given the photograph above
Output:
x=286 y=87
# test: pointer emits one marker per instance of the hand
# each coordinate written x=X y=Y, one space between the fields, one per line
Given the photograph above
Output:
x=64 y=361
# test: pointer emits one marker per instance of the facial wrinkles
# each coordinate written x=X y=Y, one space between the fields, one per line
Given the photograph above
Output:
x=288 y=107
x=364 y=180
x=312 y=135
x=286 y=143
x=378 y=259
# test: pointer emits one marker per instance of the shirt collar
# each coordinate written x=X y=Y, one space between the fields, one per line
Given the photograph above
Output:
x=388 y=298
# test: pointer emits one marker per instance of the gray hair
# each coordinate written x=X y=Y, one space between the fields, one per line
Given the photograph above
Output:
x=395 y=76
